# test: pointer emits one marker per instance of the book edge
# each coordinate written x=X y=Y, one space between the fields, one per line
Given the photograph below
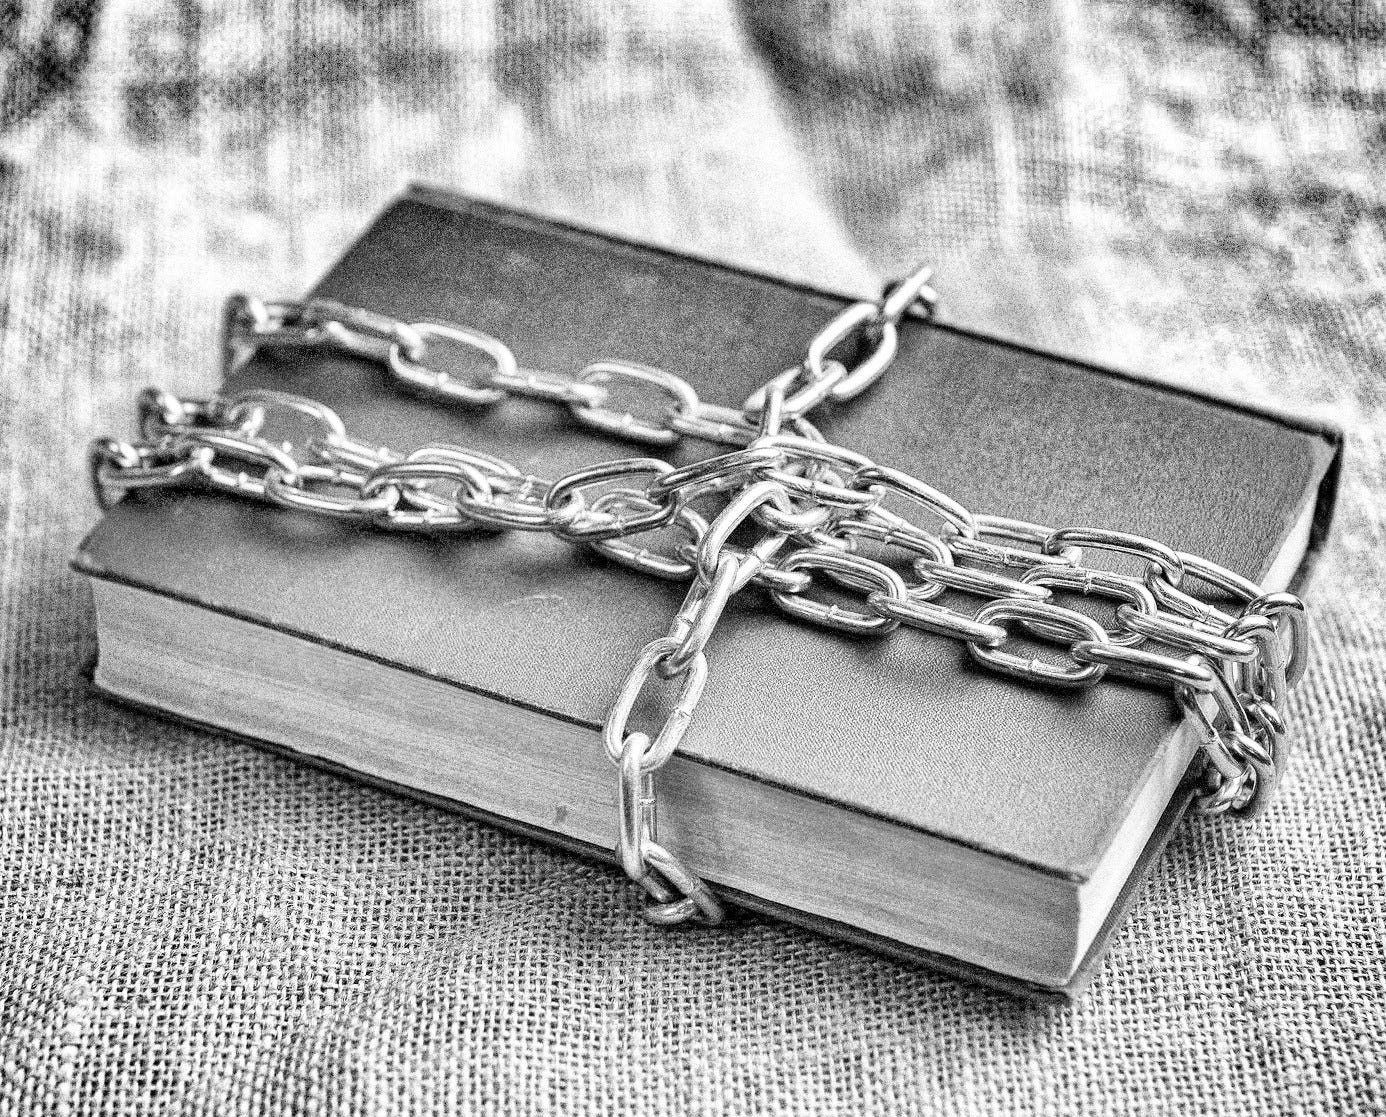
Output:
x=82 y=564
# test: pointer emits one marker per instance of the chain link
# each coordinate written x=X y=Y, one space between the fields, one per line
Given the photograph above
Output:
x=828 y=552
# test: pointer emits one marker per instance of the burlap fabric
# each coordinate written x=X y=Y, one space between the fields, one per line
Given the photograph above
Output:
x=190 y=924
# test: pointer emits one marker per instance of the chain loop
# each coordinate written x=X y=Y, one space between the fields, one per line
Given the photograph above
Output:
x=292 y=489
x=1289 y=609
x=1114 y=587
x=888 y=481
x=1243 y=758
x=625 y=424
x=676 y=724
x=210 y=448
x=862 y=571
x=1157 y=556
x=1052 y=619
x=855 y=323
x=573 y=519
x=413 y=372
x=427 y=511
x=978 y=548
x=648 y=561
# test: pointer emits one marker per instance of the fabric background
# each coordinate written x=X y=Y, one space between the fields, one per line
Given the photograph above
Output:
x=1194 y=190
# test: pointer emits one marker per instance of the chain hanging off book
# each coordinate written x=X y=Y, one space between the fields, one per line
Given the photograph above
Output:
x=814 y=503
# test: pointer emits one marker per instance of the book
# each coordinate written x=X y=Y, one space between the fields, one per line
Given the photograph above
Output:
x=887 y=791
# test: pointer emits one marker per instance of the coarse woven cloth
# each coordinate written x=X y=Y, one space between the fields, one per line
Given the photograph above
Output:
x=189 y=924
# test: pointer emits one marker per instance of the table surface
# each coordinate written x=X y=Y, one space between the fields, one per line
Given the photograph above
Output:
x=1194 y=192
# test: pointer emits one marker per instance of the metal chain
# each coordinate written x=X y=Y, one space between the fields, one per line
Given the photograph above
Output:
x=832 y=537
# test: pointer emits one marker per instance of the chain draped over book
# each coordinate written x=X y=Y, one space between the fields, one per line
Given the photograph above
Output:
x=813 y=503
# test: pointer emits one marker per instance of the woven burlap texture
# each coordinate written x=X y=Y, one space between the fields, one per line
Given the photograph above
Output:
x=189 y=924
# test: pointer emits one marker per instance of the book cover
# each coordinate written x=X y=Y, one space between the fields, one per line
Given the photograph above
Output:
x=905 y=729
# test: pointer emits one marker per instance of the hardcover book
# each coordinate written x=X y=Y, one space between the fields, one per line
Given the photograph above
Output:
x=887 y=791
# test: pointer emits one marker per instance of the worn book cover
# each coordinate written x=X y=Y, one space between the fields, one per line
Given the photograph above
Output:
x=905 y=732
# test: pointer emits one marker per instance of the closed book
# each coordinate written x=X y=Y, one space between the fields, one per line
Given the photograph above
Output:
x=888 y=790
